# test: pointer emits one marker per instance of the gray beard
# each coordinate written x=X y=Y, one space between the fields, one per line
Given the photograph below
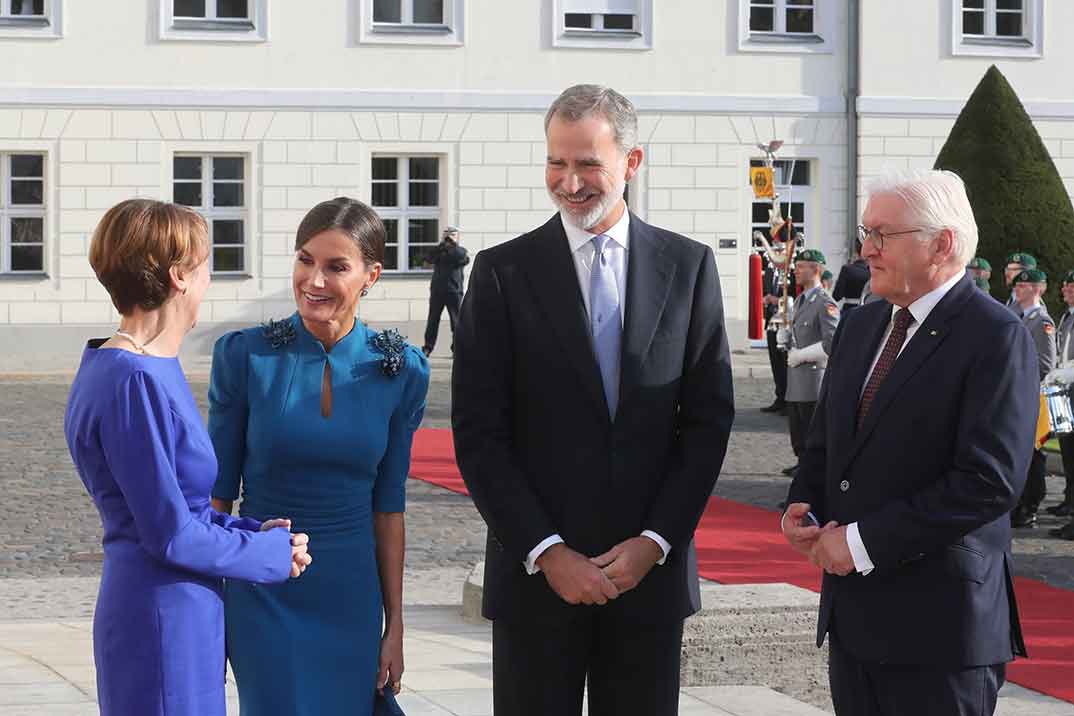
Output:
x=592 y=217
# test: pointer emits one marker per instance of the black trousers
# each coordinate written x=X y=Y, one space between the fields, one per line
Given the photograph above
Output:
x=1036 y=488
x=778 y=360
x=540 y=669
x=1066 y=447
x=868 y=689
x=799 y=416
x=437 y=303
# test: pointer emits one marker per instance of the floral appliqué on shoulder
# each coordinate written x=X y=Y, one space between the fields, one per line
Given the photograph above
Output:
x=392 y=346
x=278 y=333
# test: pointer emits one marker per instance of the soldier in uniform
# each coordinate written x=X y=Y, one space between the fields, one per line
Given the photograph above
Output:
x=812 y=328
x=850 y=286
x=1064 y=335
x=1016 y=263
x=981 y=271
x=1028 y=286
x=826 y=281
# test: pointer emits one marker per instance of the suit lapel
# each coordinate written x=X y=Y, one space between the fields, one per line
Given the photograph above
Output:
x=649 y=277
x=554 y=281
x=924 y=342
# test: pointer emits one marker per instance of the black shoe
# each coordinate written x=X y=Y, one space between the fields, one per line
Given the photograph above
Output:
x=1065 y=532
x=789 y=471
x=1023 y=517
x=1063 y=509
x=777 y=406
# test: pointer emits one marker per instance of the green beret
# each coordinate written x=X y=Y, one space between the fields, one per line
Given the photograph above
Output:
x=812 y=255
x=1022 y=259
x=1031 y=275
x=826 y=276
x=980 y=263
x=1068 y=277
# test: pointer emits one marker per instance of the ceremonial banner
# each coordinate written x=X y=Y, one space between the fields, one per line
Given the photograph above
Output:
x=763 y=181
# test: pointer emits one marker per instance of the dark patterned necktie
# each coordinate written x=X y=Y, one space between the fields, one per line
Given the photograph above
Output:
x=903 y=319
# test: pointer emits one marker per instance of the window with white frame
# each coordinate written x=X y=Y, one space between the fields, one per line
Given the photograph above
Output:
x=997 y=27
x=228 y=20
x=622 y=24
x=792 y=185
x=785 y=25
x=412 y=21
x=405 y=192
x=215 y=185
x=22 y=211
x=29 y=18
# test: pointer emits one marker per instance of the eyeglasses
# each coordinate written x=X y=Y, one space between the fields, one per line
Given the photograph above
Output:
x=877 y=237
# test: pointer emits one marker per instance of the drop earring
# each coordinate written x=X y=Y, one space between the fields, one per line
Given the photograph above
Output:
x=365 y=292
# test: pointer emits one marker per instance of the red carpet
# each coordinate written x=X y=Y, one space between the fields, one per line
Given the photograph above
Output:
x=741 y=544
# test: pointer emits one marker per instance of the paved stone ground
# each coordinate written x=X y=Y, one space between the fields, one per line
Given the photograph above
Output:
x=50 y=554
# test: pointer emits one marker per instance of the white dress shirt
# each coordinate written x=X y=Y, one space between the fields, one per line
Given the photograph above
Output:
x=583 y=252
x=920 y=310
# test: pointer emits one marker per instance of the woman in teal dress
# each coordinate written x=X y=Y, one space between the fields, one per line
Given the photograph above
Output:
x=313 y=417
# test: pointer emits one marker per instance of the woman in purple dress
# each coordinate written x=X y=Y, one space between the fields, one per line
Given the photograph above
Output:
x=140 y=447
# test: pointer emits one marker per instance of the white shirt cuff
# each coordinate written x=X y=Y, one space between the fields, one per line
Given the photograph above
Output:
x=531 y=559
x=664 y=546
x=862 y=563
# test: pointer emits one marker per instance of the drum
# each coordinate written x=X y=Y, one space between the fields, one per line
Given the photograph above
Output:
x=1060 y=410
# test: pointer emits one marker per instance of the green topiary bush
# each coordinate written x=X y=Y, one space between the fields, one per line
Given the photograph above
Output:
x=1018 y=198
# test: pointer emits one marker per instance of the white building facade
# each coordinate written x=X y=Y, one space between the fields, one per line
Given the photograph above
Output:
x=432 y=111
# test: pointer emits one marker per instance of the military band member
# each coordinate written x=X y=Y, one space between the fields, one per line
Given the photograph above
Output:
x=1028 y=287
x=815 y=317
x=1016 y=263
x=773 y=280
x=1064 y=335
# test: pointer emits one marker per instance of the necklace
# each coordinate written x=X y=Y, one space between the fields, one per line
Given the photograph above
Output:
x=137 y=346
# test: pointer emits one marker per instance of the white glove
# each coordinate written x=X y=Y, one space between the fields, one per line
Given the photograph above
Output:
x=813 y=353
x=1060 y=376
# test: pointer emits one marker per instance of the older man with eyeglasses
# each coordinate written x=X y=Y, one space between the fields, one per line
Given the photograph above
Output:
x=917 y=452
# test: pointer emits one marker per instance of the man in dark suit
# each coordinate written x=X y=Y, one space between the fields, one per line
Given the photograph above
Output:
x=445 y=289
x=917 y=453
x=591 y=406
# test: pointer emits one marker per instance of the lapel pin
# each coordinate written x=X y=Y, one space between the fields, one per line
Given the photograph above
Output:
x=932 y=333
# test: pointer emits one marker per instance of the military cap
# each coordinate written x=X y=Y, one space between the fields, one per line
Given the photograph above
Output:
x=1022 y=259
x=981 y=264
x=1068 y=277
x=1031 y=275
x=826 y=276
x=812 y=255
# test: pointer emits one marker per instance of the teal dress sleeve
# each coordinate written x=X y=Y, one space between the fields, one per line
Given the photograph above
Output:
x=228 y=412
x=389 y=491
x=138 y=437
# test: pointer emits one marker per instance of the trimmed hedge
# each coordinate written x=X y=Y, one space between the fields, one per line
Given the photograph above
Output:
x=1018 y=197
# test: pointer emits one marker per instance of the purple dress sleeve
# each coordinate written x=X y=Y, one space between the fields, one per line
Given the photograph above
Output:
x=138 y=439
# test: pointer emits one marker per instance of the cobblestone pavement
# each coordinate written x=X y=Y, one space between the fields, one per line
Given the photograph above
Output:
x=50 y=528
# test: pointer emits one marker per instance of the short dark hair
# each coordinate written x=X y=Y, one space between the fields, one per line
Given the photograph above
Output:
x=135 y=246
x=353 y=218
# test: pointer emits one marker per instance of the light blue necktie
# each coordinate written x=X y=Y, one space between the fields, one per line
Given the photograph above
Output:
x=604 y=321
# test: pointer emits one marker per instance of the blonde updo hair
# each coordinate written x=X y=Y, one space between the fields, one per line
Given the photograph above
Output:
x=136 y=244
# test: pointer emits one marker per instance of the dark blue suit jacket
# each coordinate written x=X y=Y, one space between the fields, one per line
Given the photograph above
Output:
x=533 y=437
x=930 y=478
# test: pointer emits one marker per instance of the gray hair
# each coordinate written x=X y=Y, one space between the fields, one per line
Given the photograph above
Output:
x=580 y=101
x=936 y=200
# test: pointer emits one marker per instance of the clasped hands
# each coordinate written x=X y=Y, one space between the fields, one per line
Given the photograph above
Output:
x=825 y=546
x=578 y=579
x=300 y=556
